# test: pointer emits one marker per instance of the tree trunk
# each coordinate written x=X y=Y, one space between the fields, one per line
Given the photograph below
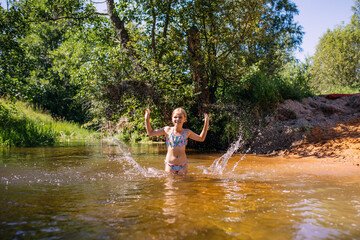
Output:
x=198 y=69
x=123 y=36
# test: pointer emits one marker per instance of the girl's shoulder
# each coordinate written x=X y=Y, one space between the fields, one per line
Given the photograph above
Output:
x=187 y=131
x=167 y=130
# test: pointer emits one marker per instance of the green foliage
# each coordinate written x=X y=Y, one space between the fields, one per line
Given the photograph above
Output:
x=259 y=89
x=68 y=60
x=336 y=63
x=13 y=63
x=234 y=36
x=295 y=80
x=264 y=91
x=264 y=34
x=21 y=126
x=33 y=31
x=247 y=102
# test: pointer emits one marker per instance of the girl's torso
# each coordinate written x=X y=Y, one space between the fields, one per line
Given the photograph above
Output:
x=176 y=143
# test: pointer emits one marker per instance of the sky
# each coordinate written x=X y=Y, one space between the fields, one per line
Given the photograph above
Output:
x=316 y=17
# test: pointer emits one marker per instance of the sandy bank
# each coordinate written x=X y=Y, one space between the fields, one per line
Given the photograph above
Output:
x=319 y=127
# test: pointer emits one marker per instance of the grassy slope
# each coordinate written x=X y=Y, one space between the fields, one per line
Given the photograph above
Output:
x=21 y=125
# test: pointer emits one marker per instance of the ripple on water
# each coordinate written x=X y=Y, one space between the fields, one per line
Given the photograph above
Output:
x=110 y=195
x=309 y=229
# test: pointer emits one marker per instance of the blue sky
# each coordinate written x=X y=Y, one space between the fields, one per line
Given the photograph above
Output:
x=316 y=17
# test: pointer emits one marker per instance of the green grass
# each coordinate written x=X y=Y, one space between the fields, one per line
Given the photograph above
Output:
x=332 y=89
x=23 y=126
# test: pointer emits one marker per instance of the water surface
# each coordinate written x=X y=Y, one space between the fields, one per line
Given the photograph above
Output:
x=98 y=191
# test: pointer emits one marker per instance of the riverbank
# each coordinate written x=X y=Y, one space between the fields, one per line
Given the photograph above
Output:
x=323 y=127
x=340 y=143
x=22 y=125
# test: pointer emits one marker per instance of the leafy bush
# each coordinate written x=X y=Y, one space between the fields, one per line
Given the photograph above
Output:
x=262 y=91
x=294 y=81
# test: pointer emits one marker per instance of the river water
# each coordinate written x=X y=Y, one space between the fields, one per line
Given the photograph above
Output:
x=103 y=191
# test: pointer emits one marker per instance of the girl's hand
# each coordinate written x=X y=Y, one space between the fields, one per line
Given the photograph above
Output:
x=206 y=118
x=147 y=114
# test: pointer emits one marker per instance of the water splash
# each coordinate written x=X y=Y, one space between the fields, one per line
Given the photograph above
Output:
x=236 y=164
x=219 y=165
x=132 y=166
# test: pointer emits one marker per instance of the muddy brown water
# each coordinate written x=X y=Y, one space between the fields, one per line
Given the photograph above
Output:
x=98 y=191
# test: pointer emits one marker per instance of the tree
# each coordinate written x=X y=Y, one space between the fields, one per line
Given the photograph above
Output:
x=215 y=41
x=34 y=32
x=13 y=63
x=336 y=63
x=197 y=54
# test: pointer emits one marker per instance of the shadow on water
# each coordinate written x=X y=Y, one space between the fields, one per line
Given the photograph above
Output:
x=117 y=191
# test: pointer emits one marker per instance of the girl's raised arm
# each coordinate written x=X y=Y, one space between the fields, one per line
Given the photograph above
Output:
x=202 y=136
x=149 y=129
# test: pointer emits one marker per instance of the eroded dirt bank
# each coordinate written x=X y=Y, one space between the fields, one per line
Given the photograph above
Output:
x=321 y=127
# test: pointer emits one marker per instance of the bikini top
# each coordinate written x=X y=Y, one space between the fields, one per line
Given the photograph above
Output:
x=176 y=141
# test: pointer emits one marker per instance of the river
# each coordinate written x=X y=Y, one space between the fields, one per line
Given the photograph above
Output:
x=106 y=191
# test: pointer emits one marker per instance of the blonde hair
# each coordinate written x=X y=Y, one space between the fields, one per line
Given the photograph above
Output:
x=181 y=110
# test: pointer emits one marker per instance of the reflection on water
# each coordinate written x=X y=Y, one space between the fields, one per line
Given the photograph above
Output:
x=94 y=191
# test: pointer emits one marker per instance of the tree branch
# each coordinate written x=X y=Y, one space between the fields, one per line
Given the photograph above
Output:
x=167 y=19
x=103 y=14
x=153 y=46
x=166 y=25
x=123 y=35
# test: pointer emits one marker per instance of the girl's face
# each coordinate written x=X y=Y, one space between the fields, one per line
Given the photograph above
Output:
x=178 y=119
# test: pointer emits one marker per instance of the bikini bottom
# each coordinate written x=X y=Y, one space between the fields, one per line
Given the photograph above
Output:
x=176 y=167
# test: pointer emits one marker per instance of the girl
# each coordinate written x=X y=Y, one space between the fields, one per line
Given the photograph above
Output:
x=176 y=139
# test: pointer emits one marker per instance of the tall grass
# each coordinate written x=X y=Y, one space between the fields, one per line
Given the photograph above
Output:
x=22 y=125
